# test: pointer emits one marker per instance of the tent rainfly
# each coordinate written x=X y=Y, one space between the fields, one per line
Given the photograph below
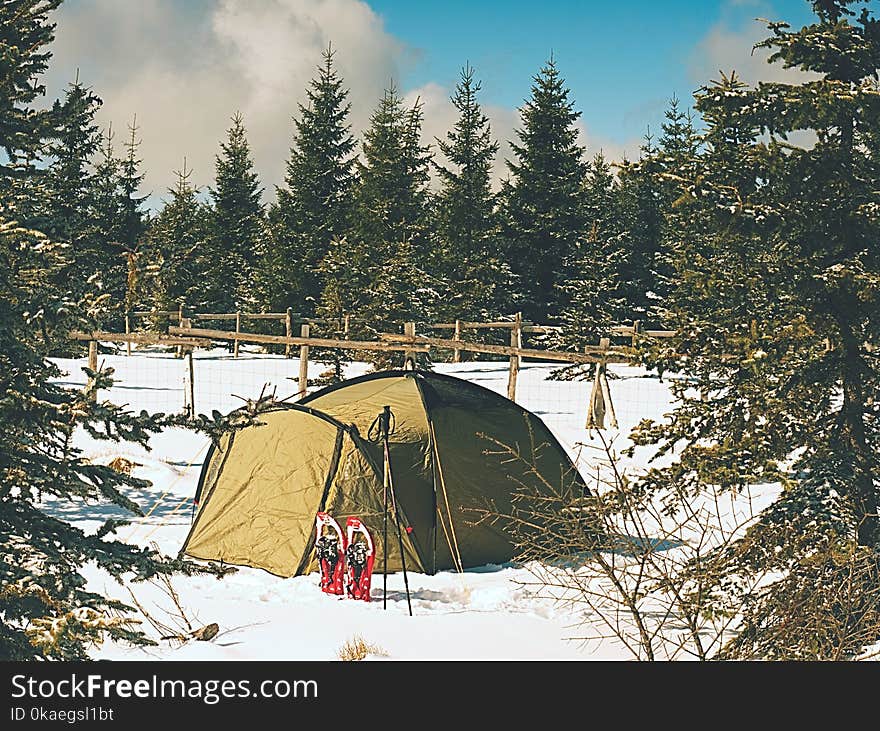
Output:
x=261 y=486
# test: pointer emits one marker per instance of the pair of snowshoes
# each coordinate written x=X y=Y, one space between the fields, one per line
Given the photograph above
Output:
x=345 y=559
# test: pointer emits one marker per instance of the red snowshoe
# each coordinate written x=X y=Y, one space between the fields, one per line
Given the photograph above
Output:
x=359 y=555
x=330 y=549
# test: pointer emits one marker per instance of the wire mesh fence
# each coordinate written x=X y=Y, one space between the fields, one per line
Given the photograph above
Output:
x=157 y=379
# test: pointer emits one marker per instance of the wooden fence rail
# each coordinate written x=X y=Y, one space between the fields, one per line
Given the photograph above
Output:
x=259 y=338
x=279 y=316
x=186 y=336
x=593 y=353
x=290 y=318
x=137 y=337
x=629 y=330
x=197 y=337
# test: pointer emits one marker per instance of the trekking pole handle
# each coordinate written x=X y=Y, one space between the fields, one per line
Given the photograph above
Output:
x=385 y=422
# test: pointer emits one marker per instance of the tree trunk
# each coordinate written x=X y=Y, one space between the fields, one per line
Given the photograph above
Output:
x=853 y=438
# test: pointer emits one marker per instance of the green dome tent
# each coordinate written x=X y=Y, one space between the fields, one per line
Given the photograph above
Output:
x=261 y=487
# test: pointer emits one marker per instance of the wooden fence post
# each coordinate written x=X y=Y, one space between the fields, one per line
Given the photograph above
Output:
x=515 y=342
x=303 y=363
x=93 y=361
x=288 y=330
x=456 y=354
x=346 y=325
x=237 y=331
x=596 y=405
x=191 y=384
x=637 y=328
x=605 y=344
x=409 y=356
x=600 y=395
x=93 y=355
x=127 y=332
x=180 y=320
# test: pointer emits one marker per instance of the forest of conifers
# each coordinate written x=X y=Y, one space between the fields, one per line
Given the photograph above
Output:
x=759 y=248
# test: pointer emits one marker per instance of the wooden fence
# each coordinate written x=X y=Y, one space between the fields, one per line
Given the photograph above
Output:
x=516 y=325
x=185 y=336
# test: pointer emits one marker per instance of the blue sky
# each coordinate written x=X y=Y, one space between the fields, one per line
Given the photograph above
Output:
x=622 y=60
x=185 y=66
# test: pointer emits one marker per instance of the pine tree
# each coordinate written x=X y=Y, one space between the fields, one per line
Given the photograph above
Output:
x=105 y=197
x=391 y=223
x=678 y=146
x=24 y=36
x=314 y=205
x=779 y=286
x=116 y=225
x=596 y=292
x=237 y=225
x=542 y=200
x=68 y=180
x=345 y=283
x=46 y=609
x=470 y=256
x=391 y=194
x=675 y=159
x=642 y=209
x=176 y=253
x=134 y=218
x=105 y=222
x=63 y=206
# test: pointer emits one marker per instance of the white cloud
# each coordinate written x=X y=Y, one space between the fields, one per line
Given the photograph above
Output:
x=612 y=150
x=184 y=69
x=728 y=47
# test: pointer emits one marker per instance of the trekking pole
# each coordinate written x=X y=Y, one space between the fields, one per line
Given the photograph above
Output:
x=386 y=479
x=385 y=423
x=400 y=541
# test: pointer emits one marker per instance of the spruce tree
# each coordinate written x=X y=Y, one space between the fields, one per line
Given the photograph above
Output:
x=237 y=225
x=25 y=34
x=177 y=256
x=391 y=195
x=470 y=255
x=674 y=161
x=345 y=282
x=46 y=609
x=116 y=225
x=64 y=208
x=68 y=179
x=105 y=222
x=596 y=291
x=779 y=286
x=543 y=213
x=391 y=225
x=105 y=196
x=314 y=205
x=677 y=147
x=642 y=211
x=134 y=218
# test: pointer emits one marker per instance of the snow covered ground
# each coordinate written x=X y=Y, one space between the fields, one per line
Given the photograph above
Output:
x=494 y=612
